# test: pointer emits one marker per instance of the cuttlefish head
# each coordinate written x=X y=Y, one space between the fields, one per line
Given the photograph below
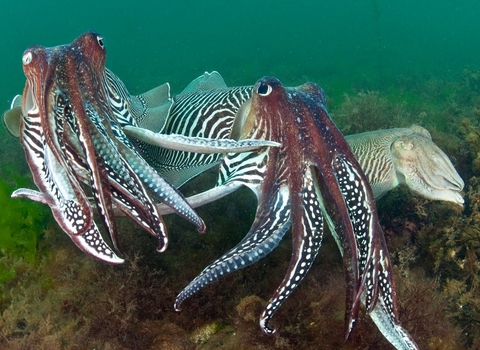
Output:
x=425 y=168
x=51 y=71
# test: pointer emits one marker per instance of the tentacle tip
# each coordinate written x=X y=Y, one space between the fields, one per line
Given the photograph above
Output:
x=267 y=330
x=348 y=329
x=202 y=228
x=109 y=258
x=118 y=261
x=162 y=246
x=177 y=307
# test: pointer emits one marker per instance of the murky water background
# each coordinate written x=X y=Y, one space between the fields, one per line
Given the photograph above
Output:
x=337 y=44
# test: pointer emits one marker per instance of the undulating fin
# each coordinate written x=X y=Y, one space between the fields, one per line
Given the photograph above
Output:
x=207 y=81
x=11 y=118
x=151 y=109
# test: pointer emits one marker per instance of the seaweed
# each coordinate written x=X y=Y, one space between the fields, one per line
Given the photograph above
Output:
x=367 y=111
x=22 y=222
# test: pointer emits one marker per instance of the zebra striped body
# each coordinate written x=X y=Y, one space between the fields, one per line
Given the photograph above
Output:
x=196 y=114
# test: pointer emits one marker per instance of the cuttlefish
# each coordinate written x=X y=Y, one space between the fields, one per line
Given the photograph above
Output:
x=208 y=108
x=313 y=177
x=389 y=158
x=69 y=121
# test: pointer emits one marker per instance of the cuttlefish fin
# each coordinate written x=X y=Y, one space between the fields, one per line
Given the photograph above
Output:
x=12 y=117
x=207 y=81
x=152 y=108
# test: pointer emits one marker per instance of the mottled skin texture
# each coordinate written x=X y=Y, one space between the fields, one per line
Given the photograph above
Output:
x=71 y=135
x=311 y=178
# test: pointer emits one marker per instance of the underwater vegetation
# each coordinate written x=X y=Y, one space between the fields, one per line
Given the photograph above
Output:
x=367 y=111
x=58 y=297
x=22 y=222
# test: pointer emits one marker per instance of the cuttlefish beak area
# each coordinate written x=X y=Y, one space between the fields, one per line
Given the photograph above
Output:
x=426 y=169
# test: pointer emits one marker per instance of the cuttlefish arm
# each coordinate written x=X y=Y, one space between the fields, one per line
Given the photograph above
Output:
x=271 y=222
x=179 y=142
x=56 y=191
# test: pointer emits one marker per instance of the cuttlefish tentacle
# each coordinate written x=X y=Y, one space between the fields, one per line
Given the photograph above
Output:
x=358 y=204
x=195 y=144
x=266 y=232
x=307 y=234
x=165 y=192
x=271 y=222
x=123 y=182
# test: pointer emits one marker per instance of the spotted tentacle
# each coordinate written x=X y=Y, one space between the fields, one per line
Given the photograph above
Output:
x=124 y=184
x=271 y=222
x=158 y=186
x=384 y=313
x=307 y=233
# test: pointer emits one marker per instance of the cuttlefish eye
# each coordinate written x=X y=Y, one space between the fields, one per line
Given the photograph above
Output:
x=264 y=89
x=27 y=58
x=100 y=41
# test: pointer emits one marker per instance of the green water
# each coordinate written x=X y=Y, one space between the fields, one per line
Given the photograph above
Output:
x=337 y=44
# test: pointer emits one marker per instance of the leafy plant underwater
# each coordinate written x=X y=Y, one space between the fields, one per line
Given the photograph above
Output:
x=60 y=297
